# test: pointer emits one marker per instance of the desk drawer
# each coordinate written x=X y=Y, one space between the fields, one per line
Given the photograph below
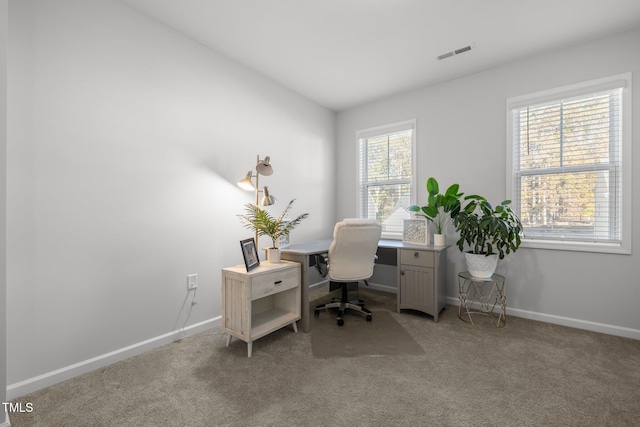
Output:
x=417 y=257
x=272 y=283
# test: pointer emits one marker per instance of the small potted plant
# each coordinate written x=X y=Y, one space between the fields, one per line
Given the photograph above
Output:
x=264 y=224
x=489 y=232
x=440 y=208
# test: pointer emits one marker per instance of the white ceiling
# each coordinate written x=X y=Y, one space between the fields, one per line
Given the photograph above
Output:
x=342 y=53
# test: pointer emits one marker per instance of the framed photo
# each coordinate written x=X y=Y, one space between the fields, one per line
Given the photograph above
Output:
x=250 y=253
x=415 y=231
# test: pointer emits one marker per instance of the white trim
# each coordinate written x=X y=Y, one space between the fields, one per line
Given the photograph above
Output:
x=570 y=91
x=587 y=325
x=6 y=422
x=50 y=378
x=387 y=129
x=623 y=80
x=607 y=248
x=411 y=124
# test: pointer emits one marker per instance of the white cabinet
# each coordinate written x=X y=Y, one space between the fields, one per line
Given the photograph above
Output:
x=258 y=302
x=421 y=283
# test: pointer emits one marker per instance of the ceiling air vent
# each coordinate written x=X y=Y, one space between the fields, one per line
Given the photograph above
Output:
x=454 y=52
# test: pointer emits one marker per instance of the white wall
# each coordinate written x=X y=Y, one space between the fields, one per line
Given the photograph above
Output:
x=4 y=17
x=125 y=142
x=461 y=134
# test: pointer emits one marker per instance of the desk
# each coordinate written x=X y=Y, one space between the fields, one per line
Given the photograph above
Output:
x=466 y=283
x=420 y=276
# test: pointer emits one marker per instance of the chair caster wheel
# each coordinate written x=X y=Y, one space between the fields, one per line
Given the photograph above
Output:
x=369 y=318
x=340 y=322
x=316 y=313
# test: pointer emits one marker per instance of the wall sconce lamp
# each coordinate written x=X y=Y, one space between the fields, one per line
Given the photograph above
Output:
x=263 y=167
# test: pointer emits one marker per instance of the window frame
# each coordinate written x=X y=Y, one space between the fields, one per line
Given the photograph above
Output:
x=622 y=81
x=381 y=131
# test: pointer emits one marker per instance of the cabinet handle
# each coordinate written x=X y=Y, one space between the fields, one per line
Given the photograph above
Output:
x=416 y=254
x=278 y=282
x=402 y=272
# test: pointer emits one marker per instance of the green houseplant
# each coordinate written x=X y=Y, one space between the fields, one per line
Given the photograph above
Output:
x=265 y=224
x=440 y=208
x=489 y=232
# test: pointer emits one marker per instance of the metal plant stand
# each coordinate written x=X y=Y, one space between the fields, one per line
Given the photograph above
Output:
x=487 y=303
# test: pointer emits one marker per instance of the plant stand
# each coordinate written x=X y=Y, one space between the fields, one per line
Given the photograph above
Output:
x=487 y=303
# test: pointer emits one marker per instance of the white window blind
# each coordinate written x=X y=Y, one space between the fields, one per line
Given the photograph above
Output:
x=386 y=175
x=567 y=165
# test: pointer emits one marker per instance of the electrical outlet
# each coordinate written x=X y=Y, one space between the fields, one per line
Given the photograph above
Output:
x=192 y=281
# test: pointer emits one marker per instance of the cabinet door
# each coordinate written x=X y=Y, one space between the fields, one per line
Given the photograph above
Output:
x=416 y=289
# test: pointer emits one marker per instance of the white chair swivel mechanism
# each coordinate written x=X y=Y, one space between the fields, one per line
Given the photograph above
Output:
x=351 y=258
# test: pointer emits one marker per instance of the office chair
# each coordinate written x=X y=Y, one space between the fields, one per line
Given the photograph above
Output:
x=351 y=258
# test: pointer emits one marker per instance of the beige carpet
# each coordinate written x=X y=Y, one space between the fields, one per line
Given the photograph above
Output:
x=525 y=374
x=383 y=336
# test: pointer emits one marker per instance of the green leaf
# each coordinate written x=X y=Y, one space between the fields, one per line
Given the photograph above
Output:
x=431 y=211
x=432 y=186
x=452 y=190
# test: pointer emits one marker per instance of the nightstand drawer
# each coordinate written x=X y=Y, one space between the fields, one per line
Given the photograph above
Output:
x=417 y=258
x=277 y=281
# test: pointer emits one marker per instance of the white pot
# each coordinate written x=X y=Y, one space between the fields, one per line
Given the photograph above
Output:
x=481 y=266
x=439 y=240
x=273 y=255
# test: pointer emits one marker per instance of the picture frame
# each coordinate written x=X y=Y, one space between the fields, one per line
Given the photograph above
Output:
x=415 y=231
x=250 y=253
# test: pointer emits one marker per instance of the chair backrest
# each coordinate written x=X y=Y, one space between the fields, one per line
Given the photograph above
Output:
x=353 y=250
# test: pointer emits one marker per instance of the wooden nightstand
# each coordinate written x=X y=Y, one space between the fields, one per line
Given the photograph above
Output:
x=260 y=301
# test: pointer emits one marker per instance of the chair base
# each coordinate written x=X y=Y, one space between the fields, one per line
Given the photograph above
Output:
x=343 y=304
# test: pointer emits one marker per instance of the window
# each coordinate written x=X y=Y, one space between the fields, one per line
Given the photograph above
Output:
x=386 y=179
x=570 y=166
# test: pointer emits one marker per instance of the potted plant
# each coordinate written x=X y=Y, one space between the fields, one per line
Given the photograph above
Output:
x=489 y=232
x=440 y=208
x=264 y=224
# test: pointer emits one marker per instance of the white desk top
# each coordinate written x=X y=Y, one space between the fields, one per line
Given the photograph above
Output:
x=321 y=246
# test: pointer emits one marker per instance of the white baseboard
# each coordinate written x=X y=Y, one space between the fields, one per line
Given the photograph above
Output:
x=6 y=422
x=50 y=378
x=563 y=321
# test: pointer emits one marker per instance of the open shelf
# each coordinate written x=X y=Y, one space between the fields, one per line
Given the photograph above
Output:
x=269 y=321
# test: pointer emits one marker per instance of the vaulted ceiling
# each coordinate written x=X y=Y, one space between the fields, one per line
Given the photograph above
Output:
x=343 y=53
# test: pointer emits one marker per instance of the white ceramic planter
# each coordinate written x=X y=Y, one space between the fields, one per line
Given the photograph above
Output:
x=439 y=240
x=481 y=266
x=273 y=255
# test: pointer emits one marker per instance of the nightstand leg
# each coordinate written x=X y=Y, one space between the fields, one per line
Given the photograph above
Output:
x=295 y=328
x=228 y=339
x=249 y=348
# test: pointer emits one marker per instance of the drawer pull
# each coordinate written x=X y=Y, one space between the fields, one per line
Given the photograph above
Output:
x=416 y=254
x=278 y=282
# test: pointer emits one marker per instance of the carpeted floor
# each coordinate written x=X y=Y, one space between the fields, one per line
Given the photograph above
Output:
x=526 y=374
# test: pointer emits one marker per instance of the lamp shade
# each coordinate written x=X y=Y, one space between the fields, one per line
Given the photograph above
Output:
x=267 y=199
x=264 y=167
x=246 y=183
